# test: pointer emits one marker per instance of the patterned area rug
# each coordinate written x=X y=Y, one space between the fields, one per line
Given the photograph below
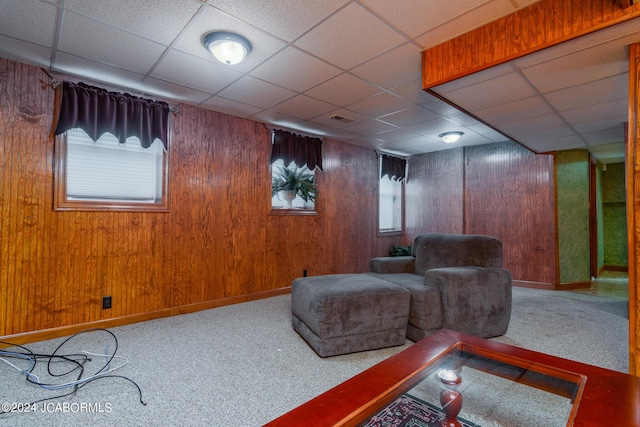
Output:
x=409 y=411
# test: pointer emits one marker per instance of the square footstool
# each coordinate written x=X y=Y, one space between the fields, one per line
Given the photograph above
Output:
x=345 y=313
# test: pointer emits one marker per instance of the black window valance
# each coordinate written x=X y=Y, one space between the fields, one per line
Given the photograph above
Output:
x=303 y=150
x=97 y=111
x=394 y=167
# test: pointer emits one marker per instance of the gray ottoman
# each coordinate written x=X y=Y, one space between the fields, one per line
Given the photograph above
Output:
x=345 y=313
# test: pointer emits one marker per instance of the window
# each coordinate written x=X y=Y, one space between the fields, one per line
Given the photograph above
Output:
x=108 y=175
x=302 y=179
x=389 y=202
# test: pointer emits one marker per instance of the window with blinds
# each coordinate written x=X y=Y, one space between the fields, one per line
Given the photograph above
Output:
x=108 y=175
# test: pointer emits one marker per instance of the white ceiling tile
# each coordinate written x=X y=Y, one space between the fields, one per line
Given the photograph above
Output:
x=408 y=117
x=343 y=90
x=397 y=135
x=277 y=120
x=607 y=89
x=413 y=92
x=99 y=42
x=303 y=107
x=169 y=90
x=605 y=136
x=252 y=91
x=380 y=104
x=532 y=124
x=125 y=14
x=514 y=111
x=565 y=143
x=29 y=20
x=295 y=70
x=96 y=72
x=229 y=106
x=609 y=153
x=25 y=52
x=398 y=66
x=595 y=112
x=595 y=125
x=369 y=127
x=545 y=134
x=190 y=71
x=350 y=37
x=489 y=93
x=475 y=78
x=286 y=19
x=578 y=68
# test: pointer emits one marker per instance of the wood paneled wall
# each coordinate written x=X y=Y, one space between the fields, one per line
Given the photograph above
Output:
x=538 y=26
x=502 y=190
x=217 y=245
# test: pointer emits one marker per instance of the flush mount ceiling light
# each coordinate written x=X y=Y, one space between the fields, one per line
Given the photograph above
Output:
x=228 y=48
x=451 y=137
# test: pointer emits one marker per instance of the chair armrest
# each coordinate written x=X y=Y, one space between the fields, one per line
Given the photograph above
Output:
x=392 y=264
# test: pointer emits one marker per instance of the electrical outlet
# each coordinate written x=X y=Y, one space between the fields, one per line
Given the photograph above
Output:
x=106 y=302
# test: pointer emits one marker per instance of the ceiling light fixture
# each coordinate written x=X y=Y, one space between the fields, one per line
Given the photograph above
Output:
x=228 y=48
x=451 y=137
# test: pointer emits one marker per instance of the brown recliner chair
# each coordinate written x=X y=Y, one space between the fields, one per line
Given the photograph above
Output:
x=456 y=281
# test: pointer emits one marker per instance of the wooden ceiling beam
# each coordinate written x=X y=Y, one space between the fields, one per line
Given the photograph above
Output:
x=536 y=27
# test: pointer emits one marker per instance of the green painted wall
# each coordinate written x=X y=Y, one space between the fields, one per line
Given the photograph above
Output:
x=614 y=215
x=572 y=170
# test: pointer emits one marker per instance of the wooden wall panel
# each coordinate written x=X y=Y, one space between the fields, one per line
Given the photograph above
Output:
x=434 y=193
x=510 y=194
x=217 y=245
x=502 y=190
x=543 y=24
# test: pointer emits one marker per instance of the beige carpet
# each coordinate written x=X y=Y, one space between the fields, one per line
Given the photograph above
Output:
x=243 y=365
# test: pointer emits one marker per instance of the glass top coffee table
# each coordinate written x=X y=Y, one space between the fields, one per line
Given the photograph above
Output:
x=457 y=380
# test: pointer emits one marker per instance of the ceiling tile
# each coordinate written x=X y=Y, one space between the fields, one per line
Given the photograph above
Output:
x=343 y=90
x=295 y=70
x=379 y=105
x=169 y=90
x=303 y=107
x=532 y=124
x=545 y=134
x=350 y=37
x=230 y=106
x=513 y=111
x=397 y=135
x=252 y=91
x=564 y=143
x=577 y=68
x=98 y=73
x=25 y=52
x=286 y=19
x=125 y=14
x=369 y=127
x=29 y=20
x=500 y=90
x=413 y=92
x=99 y=42
x=595 y=112
x=410 y=116
x=398 y=66
x=607 y=89
x=595 y=125
x=207 y=76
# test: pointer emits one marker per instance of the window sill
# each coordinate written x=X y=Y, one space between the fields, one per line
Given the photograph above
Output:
x=293 y=212
x=389 y=233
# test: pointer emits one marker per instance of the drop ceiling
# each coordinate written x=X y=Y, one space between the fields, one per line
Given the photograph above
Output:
x=311 y=61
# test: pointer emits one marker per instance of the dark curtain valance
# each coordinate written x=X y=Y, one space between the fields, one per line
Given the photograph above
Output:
x=394 y=167
x=303 y=150
x=97 y=111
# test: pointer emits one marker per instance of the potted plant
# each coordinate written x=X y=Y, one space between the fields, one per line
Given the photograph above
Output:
x=293 y=181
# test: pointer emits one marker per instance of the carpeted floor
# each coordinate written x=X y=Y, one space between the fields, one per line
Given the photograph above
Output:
x=243 y=365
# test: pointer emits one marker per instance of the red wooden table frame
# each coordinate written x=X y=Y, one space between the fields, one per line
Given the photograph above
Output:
x=607 y=397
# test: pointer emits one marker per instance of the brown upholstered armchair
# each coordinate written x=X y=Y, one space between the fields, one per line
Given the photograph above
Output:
x=456 y=282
